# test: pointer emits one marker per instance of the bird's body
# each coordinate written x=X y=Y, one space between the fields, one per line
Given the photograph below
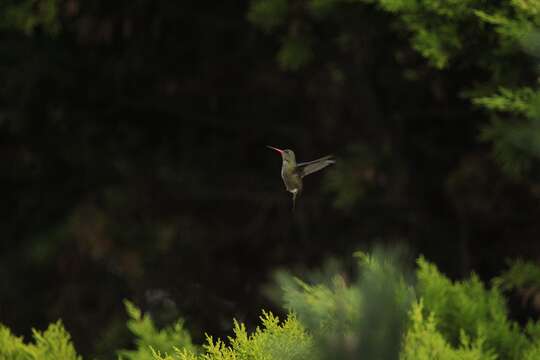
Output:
x=292 y=180
x=292 y=172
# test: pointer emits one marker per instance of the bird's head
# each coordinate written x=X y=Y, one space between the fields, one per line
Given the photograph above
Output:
x=287 y=155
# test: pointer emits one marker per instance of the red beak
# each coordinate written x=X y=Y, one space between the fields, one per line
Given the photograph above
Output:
x=273 y=148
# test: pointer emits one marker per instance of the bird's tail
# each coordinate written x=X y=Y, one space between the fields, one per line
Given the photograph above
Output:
x=294 y=200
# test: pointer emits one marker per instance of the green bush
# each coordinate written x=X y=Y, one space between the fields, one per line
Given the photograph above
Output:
x=286 y=341
x=363 y=317
x=468 y=308
x=385 y=311
x=378 y=315
x=52 y=344
x=148 y=337
x=423 y=341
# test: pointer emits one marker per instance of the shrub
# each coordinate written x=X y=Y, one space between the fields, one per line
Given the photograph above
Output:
x=381 y=313
x=148 y=337
x=52 y=344
x=287 y=340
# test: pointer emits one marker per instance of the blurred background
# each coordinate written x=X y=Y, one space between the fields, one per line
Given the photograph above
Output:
x=133 y=159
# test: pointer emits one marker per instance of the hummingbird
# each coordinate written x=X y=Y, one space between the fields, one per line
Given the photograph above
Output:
x=292 y=172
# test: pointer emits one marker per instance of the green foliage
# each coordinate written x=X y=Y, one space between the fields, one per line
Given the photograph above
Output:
x=52 y=344
x=296 y=50
x=468 y=307
x=513 y=101
x=434 y=26
x=533 y=353
x=149 y=338
x=268 y=14
x=446 y=31
x=521 y=274
x=26 y=15
x=423 y=341
x=294 y=53
x=430 y=45
x=361 y=319
x=440 y=28
x=516 y=142
x=337 y=320
x=287 y=340
x=374 y=316
x=322 y=307
x=524 y=276
x=321 y=8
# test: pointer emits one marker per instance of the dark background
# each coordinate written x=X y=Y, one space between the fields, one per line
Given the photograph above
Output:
x=133 y=164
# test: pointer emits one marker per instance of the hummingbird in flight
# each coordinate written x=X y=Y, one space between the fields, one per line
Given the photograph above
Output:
x=292 y=172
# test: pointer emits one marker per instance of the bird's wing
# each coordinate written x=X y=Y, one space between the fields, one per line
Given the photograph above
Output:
x=306 y=168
